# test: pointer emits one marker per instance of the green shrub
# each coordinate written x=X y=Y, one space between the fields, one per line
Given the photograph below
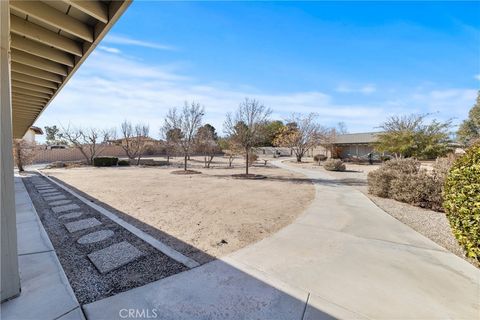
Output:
x=462 y=200
x=123 y=163
x=319 y=157
x=334 y=165
x=105 y=161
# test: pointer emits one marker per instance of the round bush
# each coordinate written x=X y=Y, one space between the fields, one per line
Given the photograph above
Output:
x=462 y=200
x=319 y=157
x=380 y=180
x=334 y=165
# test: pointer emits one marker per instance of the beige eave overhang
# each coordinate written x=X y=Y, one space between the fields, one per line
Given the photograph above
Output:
x=49 y=42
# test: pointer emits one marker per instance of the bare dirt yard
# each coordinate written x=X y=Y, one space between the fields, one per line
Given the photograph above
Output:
x=202 y=215
x=432 y=224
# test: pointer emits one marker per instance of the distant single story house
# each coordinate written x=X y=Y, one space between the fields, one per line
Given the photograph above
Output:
x=355 y=144
x=29 y=136
x=348 y=145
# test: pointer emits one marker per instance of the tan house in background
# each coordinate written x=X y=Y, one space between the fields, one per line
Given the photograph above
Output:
x=31 y=133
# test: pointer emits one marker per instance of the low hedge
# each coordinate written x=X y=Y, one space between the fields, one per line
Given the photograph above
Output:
x=462 y=200
x=123 y=163
x=105 y=161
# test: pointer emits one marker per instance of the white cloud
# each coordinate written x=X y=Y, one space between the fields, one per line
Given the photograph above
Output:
x=122 y=40
x=365 y=89
x=477 y=76
x=111 y=87
x=109 y=49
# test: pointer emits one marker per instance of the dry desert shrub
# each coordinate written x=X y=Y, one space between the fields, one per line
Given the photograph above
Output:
x=404 y=181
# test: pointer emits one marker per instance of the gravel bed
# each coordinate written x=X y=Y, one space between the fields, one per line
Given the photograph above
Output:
x=87 y=282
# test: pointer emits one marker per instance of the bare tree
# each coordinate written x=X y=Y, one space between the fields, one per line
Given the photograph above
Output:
x=246 y=127
x=188 y=121
x=301 y=134
x=90 y=142
x=134 y=139
x=23 y=152
x=207 y=143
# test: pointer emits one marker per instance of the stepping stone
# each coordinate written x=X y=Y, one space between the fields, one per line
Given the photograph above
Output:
x=82 y=224
x=44 y=186
x=70 y=215
x=51 y=193
x=114 y=256
x=59 y=202
x=64 y=208
x=95 y=236
x=54 y=197
x=47 y=190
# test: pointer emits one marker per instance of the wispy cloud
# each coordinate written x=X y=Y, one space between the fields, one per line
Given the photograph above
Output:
x=109 y=49
x=102 y=94
x=123 y=40
x=365 y=89
x=477 y=76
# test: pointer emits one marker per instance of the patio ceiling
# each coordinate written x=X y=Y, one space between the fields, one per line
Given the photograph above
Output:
x=49 y=41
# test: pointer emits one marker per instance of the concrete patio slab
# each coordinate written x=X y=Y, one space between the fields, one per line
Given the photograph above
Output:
x=114 y=256
x=75 y=314
x=32 y=238
x=214 y=291
x=65 y=208
x=82 y=224
x=46 y=292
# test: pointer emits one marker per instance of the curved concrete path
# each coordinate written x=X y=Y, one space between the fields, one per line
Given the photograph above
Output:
x=343 y=258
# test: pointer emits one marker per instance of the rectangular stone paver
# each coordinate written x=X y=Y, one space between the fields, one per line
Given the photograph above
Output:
x=54 y=197
x=47 y=190
x=51 y=193
x=64 y=208
x=82 y=224
x=114 y=256
x=44 y=186
x=59 y=202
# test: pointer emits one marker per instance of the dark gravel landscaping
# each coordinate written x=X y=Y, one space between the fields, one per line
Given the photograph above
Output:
x=87 y=282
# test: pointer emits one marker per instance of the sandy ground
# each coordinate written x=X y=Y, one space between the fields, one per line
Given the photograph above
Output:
x=204 y=215
x=434 y=225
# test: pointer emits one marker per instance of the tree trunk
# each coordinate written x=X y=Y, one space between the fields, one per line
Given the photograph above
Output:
x=18 y=151
x=168 y=159
x=185 y=163
x=299 y=158
x=246 y=161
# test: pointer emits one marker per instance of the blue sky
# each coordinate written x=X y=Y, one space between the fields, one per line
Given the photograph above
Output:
x=352 y=62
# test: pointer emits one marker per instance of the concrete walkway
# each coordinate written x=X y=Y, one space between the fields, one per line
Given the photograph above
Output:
x=45 y=290
x=343 y=258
